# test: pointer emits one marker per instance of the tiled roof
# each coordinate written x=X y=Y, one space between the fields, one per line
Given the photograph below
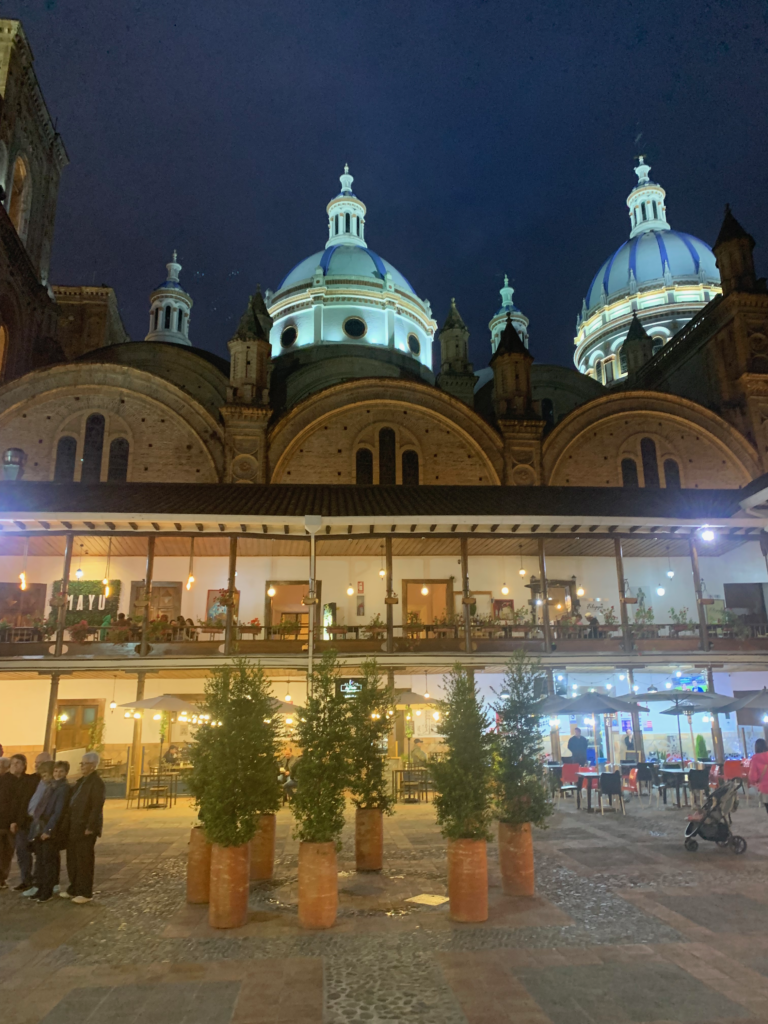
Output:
x=289 y=500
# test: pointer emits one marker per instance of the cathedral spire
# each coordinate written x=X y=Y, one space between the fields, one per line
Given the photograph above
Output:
x=346 y=215
x=733 y=252
x=169 y=308
x=647 y=211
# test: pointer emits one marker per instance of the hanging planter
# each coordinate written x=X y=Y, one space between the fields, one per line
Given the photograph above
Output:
x=516 y=859
x=228 y=905
x=198 y=867
x=318 y=886
x=468 y=880
x=263 y=849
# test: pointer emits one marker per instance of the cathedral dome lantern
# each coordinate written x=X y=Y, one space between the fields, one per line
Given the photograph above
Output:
x=169 y=309
x=508 y=309
x=661 y=275
x=347 y=295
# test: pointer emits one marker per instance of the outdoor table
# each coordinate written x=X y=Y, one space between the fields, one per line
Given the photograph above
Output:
x=156 y=778
x=586 y=775
x=678 y=776
x=421 y=778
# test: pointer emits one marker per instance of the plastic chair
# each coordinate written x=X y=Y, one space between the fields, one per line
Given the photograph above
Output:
x=610 y=785
x=736 y=770
x=698 y=782
x=569 y=779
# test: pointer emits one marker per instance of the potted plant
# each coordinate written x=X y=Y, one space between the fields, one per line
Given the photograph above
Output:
x=374 y=628
x=78 y=633
x=702 y=754
x=234 y=780
x=322 y=774
x=521 y=797
x=680 y=620
x=370 y=712
x=463 y=800
x=609 y=616
x=414 y=624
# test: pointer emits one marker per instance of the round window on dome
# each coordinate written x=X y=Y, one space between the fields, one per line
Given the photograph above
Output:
x=289 y=336
x=414 y=344
x=355 y=327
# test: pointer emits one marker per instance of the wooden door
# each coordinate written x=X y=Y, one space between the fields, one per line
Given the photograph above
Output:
x=75 y=720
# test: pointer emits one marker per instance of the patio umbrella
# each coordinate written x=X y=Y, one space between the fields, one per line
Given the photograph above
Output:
x=408 y=697
x=685 y=709
x=165 y=702
x=757 y=701
x=585 y=704
x=676 y=697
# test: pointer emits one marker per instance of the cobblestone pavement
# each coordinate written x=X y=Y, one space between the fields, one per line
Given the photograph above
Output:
x=626 y=926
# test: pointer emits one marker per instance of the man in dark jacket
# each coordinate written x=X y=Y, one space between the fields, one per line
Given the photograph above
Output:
x=86 y=820
x=28 y=783
x=8 y=783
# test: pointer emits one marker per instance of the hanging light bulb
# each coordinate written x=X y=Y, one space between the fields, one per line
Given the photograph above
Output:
x=350 y=590
x=418 y=713
x=707 y=535
x=660 y=591
x=424 y=590
x=23 y=573
x=190 y=581
x=271 y=591
x=156 y=718
x=288 y=698
x=426 y=687
x=112 y=704
x=22 y=581
x=127 y=715
x=670 y=574
x=191 y=570
x=137 y=714
x=521 y=570
x=382 y=573
x=504 y=589
x=580 y=592
x=105 y=580
x=78 y=573
x=436 y=715
x=289 y=721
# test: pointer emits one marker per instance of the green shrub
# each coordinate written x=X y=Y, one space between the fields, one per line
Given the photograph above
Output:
x=463 y=778
x=235 y=757
x=370 y=711
x=519 y=790
x=322 y=772
x=701 y=748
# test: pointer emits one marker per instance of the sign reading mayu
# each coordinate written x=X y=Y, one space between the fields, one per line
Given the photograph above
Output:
x=86 y=601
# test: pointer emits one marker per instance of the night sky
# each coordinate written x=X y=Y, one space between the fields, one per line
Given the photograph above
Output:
x=483 y=137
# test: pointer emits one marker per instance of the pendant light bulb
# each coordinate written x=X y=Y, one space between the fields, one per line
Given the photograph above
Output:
x=350 y=590
x=505 y=589
x=22 y=581
x=382 y=573
x=79 y=573
x=670 y=573
x=424 y=590
x=580 y=592
x=271 y=592
x=521 y=572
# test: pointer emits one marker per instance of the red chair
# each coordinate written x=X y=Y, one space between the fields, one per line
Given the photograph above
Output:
x=629 y=782
x=714 y=777
x=737 y=770
x=569 y=780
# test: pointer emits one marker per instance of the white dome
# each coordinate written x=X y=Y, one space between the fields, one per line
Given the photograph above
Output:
x=345 y=261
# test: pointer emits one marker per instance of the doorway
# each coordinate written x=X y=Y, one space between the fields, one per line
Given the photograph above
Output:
x=434 y=606
x=77 y=722
x=20 y=607
x=165 y=600
x=284 y=609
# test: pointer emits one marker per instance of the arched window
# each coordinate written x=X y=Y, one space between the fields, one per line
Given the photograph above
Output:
x=608 y=368
x=117 y=472
x=66 y=452
x=357 y=226
x=658 y=345
x=650 y=463
x=180 y=321
x=347 y=223
x=387 y=456
x=599 y=371
x=364 y=467
x=336 y=224
x=548 y=411
x=645 y=213
x=21 y=197
x=93 y=446
x=410 y=463
x=157 y=317
x=629 y=473
x=623 y=365
x=167 y=322
x=671 y=473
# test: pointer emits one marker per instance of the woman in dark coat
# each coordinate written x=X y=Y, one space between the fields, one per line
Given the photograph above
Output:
x=86 y=819
x=53 y=826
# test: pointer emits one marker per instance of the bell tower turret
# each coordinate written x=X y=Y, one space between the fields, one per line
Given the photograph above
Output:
x=457 y=376
x=169 y=309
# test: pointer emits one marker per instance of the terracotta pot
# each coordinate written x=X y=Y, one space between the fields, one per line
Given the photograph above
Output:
x=263 y=849
x=230 y=867
x=369 y=839
x=468 y=879
x=318 y=888
x=516 y=859
x=198 y=867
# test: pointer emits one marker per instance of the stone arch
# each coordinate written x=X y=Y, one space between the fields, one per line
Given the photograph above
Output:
x=20 y=200
x=591 y=442
x=304 y=445
x=172 y=438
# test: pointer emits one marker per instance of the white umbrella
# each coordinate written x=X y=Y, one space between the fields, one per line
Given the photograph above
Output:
x=165 y=702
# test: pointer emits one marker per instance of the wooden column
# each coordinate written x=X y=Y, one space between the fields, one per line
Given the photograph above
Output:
x=135 y=773
x=144 y=644
x=544 y=596
x=465 y=602
x=717 y=732
x=636 y=730
x=554 y=734
x=230 y=627
x=49 y=740
x=703 y=636
x=625 y=627
x=390 y=590
x=69 y=545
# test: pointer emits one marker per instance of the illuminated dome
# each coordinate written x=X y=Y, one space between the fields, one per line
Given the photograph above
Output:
x=663 y=276
x=347 y=294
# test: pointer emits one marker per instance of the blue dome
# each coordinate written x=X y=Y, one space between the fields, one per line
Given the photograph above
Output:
x=170 y=284
x=510 y=307
x=345 y=261
x=687 y=257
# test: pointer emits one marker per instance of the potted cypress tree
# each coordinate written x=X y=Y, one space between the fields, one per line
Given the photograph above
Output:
x=370 y=712
x=322 y=775
x=521 y=797
x=463 y=803
x=234 y=780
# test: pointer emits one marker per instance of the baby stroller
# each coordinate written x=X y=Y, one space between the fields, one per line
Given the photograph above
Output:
x=713 y=821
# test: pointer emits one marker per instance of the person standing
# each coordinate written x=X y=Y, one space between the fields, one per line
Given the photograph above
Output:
x=51 y=825
x=578 y=746
x=28 y=784
x=8 y=782
x=86 y=820
x=758 y=771
x=35 y=811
